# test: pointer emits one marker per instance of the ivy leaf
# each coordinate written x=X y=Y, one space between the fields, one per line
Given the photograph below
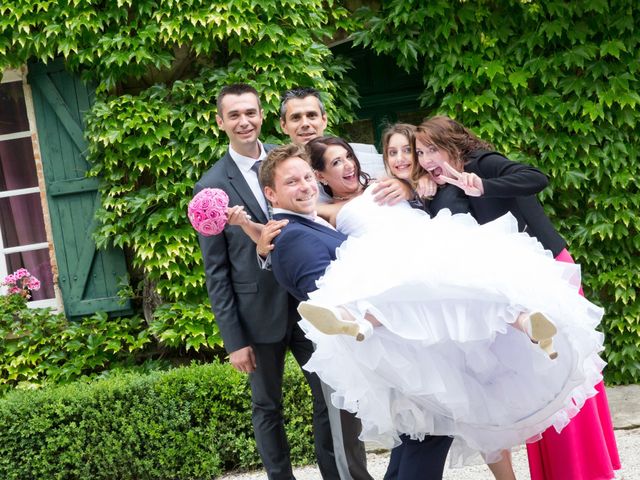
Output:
x=519 y=78
x=594 y=110
x=491 y=69
x=613 y=48
x=409 y=50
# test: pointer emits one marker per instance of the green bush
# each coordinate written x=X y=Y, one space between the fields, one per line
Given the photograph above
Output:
x=39 y=346
x=187 y=423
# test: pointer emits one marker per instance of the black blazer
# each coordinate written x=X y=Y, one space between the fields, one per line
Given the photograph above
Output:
x=448 y=196
x=303 y=251
x=249 y=304
x=512 y=187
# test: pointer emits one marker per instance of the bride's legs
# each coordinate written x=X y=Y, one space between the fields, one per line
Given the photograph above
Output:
x=503 y=469
x=337 y=320
x=539 y=329
x=369 y=317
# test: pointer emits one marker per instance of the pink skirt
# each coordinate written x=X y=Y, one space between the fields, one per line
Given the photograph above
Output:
x=586 y=448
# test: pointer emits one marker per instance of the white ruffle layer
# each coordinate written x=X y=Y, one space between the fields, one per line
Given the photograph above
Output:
x=446 y=360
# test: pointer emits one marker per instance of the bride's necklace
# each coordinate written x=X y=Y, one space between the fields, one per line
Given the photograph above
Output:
x=338 y=197
x=348 y=197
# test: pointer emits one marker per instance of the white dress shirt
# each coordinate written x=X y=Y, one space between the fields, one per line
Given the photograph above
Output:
x=313 y=217
x=245 y=164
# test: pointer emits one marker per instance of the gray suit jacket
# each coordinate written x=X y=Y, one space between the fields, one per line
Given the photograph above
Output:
x=249 y=305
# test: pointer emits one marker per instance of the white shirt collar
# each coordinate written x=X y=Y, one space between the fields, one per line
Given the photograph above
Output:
x=289 y=212
x=245 y=163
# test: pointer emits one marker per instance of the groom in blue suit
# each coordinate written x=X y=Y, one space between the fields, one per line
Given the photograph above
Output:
x=307 y=243
x=302 y=252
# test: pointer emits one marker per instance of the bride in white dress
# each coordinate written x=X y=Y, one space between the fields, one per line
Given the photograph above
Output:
x=446 y=294
x=446 y=359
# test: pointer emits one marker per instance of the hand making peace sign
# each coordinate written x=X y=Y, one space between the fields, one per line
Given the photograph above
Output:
x=470 y=183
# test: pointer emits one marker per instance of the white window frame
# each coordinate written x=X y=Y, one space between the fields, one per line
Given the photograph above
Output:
x=13 y=75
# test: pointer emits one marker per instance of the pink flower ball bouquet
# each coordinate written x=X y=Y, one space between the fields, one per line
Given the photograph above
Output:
x=208 y=211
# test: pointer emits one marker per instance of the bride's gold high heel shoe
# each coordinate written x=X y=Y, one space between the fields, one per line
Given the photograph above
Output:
x=547 y=346
x=329 y=321
x=540 y=330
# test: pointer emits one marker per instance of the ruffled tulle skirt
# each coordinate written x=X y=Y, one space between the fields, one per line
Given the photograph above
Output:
x=446 y=360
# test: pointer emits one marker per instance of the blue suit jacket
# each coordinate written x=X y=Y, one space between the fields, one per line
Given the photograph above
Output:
x=303 y=251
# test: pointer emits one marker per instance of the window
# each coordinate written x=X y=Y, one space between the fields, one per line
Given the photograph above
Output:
x=23 y=234
x=388 y=94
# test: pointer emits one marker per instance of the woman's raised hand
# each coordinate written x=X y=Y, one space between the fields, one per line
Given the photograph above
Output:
x=470 y=183
x=261 y=235
x=426 y=187
x=237 y=216
x=264 y=244
x=389 y=191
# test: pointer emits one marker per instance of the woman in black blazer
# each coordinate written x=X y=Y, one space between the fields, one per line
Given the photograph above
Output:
x=453 y=156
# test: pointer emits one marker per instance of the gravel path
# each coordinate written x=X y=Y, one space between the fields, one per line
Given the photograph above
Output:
x=628 y=445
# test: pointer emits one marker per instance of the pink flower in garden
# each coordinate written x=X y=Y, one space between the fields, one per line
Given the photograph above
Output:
x=207 y=211
x=21 y=282
x=21 y=273
x=34 y=284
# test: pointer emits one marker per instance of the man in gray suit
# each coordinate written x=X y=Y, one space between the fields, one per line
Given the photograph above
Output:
x=257 y=318
x=303 y=118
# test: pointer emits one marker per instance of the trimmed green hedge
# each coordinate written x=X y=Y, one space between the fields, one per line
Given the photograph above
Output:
x=188 y=423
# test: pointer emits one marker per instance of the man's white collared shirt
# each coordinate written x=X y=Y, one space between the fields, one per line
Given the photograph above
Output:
x=245 y=164
x=313 y=217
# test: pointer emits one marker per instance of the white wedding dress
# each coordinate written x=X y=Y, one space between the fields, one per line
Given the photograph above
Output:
x=446 y=360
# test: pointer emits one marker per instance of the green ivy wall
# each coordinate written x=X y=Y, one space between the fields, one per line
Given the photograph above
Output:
x=156 y=67
x=552 y=83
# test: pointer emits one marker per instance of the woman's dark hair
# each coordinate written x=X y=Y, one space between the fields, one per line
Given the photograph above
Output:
x=454 y=138
x=318 y=146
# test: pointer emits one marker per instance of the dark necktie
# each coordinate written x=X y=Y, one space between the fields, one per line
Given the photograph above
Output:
x=256 y=168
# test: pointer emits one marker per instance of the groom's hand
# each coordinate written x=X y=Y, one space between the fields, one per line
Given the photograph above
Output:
x=270 y=231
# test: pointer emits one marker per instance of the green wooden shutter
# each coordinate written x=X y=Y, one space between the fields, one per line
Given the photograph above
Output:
x=88 y=278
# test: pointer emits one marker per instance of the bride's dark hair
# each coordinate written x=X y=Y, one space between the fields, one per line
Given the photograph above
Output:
x=316 y=148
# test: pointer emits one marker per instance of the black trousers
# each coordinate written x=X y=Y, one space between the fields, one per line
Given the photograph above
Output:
x=418 y=460
x=267 y=417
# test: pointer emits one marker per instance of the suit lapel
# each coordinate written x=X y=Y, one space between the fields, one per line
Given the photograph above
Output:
x=239 y=184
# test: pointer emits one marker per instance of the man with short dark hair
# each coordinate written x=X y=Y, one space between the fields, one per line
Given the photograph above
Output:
x=303 y=117
x=302 y=114
x=304 y=249
x=307 y=244
x=257 y=318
